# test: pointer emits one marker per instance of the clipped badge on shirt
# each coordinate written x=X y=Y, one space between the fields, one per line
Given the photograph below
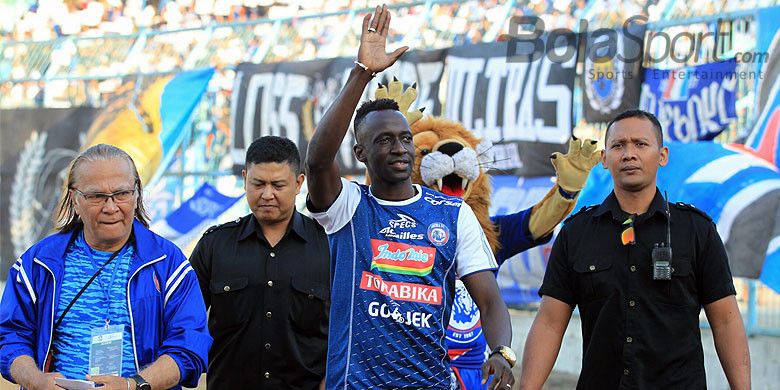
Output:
x=105 y=350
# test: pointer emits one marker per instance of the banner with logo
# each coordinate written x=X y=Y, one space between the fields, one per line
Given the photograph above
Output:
x=38 y=144
x=523 y=107
x=288 y=99
x=612 y=77
x=692 y=103
x=196 y=214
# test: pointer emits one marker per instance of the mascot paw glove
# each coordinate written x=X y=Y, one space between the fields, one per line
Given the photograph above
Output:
x=572 y=168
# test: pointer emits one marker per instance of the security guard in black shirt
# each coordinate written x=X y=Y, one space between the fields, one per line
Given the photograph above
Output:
x=266 y=279
x=639 y=269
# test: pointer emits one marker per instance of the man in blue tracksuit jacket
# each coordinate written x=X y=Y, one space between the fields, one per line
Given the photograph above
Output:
x=155 y=301
x=171 y=321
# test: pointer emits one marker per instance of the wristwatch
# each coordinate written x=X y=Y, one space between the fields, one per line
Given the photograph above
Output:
x=141 y=383
x=507 y=353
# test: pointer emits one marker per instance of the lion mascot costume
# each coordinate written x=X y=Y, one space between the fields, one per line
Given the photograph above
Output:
x=452 y=160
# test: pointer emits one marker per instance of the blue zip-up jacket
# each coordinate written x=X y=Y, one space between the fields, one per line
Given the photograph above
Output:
x=167 y=313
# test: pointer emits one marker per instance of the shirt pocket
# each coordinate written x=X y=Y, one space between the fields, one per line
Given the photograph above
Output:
x=681 y=290
x=231 y=301
x=594 y=278
x=309 y=305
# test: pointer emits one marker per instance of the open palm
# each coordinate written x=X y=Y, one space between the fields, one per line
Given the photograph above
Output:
x=373 y=43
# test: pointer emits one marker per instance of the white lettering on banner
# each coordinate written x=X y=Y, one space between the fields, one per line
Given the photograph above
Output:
x=704 y=112
x=413 y=318
x=257 y=83
x=463 y=74
x=561 y=96
x=495 y=71
x=269 y=87
x=523 y=84
x=204 y=207
x=429 y=73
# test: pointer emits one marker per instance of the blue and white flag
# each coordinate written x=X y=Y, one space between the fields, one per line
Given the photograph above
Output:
x=194 y=216
x=738 y=189
x=692 y=103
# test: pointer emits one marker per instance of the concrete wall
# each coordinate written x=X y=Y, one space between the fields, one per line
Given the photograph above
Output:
x=764 y=354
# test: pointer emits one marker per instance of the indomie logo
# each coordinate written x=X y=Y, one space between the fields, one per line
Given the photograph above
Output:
x=401 y=258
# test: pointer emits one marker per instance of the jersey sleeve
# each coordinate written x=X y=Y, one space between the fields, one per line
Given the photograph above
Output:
x=472 y=251
x=343 y=208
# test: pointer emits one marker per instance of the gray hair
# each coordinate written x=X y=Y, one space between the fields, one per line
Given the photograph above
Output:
x=67 y=219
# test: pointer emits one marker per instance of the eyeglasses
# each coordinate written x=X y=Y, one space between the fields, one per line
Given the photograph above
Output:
x=98 y=198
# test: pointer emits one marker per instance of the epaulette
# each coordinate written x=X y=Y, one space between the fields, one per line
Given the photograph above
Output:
x=584 y=209
x=223 y=226
x=690 y=207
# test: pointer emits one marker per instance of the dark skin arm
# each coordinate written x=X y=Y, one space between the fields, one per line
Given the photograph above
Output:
x=483 y=289
x=322 y=172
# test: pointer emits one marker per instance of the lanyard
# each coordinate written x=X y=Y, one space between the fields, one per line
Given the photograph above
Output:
x=106 y=291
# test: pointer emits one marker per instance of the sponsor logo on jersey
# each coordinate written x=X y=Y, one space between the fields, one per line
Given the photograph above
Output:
x=440 y=200
x=413 y=318
x=402 y=258
x=403 y=222
x=401 y=291
x=438 y=233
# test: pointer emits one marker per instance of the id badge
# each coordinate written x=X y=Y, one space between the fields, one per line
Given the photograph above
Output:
x=105 y=350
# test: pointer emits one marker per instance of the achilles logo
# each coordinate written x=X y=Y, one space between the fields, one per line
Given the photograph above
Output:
x=390 y=233
x=414 y=318
x=401 y=291
x=403 y=222
x=401 y=258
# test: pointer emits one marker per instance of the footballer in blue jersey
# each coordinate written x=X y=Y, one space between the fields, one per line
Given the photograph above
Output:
x=397 y=248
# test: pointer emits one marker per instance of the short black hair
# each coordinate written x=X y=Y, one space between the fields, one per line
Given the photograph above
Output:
x=637 y=113
x=371 y=106
x=273 y=149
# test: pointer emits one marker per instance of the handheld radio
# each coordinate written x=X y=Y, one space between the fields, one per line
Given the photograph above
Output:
x=662 y=252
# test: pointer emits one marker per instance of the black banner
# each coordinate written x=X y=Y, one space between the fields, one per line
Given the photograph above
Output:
x=612 y=75
x=37 y=145
x=523 y=107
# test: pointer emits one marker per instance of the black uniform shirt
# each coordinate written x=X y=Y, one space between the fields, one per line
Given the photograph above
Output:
x=639 y=333
x=269 y=306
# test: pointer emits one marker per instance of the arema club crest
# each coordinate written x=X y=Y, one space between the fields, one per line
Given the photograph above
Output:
x=465 y=325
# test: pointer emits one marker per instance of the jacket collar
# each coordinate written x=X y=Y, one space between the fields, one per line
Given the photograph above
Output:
x=146 y=246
